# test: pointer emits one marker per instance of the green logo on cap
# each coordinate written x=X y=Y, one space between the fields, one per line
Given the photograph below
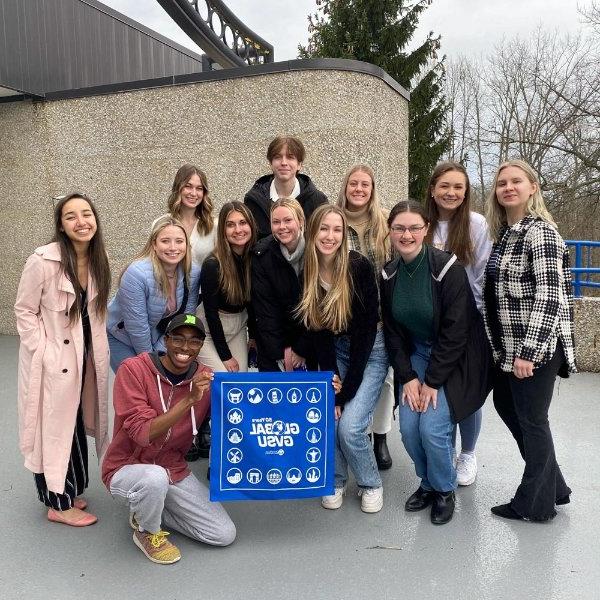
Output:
x=190 y=319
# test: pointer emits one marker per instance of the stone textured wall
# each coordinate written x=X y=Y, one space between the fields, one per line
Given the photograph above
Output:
x=123 y=150
x=587 y=334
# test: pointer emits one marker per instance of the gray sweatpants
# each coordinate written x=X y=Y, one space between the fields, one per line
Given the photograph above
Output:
x=183 y=506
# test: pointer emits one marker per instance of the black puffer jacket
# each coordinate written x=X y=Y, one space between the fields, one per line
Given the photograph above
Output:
x=258 y=200
x=460 y=357
x=275 y=295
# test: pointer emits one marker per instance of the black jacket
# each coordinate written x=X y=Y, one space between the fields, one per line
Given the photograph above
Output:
x=275 y=295
x=460 y=358
x=362 y=330
x=258 y=200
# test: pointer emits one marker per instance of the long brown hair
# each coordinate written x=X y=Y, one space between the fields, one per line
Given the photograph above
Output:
x=459 y=227
x=98 y=266
x=204 y=210
x=378 y=234
x=236 y=291
x=317 y=308
x=157 y=267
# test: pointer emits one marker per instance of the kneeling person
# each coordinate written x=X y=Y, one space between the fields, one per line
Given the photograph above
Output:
x=158 y=401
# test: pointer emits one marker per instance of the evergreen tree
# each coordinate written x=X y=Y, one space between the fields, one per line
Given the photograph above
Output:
x=378 y=32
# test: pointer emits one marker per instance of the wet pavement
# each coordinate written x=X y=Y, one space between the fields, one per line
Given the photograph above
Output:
x=297 y=550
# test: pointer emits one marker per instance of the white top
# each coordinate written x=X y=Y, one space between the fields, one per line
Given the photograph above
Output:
x=275 y=196
x=482 y=246
x=202 y=245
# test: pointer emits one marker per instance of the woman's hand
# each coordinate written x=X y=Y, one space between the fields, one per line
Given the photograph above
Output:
x=338 y=412
x=299 y=361
x=232 y=365
x=522 y=368
x=428 y=395
x=411 y=391
x=336 y=382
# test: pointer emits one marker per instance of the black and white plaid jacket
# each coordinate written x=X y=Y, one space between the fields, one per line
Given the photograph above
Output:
x=530 y=281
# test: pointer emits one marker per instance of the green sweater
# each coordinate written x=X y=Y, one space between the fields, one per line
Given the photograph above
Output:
x=412 y=305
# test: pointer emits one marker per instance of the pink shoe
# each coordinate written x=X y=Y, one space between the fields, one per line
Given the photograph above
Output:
x=80 y=503
x=75 y=519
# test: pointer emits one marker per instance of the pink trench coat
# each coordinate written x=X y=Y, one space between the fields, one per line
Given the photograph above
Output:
x=50 y=368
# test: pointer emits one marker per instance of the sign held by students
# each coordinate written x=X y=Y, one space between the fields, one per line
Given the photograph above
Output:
x=272 y=436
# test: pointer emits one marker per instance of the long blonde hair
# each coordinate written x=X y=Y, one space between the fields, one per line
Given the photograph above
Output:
x=319 y=309
x=203 y=211
x=157 y=267
x=378 y=234
x=496 y=214
x=236 y=291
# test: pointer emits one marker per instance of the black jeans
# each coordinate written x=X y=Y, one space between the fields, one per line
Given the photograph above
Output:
x=523 y=406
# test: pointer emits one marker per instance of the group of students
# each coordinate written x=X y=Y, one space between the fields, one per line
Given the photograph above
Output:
x=426 y=307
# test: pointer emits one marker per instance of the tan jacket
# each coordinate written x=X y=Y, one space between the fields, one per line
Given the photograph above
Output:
x=50 y=368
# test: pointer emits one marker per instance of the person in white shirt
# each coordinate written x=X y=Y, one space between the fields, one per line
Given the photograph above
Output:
x=456 y=228
x=190 y=203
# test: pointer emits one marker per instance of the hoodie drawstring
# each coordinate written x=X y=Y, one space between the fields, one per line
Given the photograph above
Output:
x=164 y=406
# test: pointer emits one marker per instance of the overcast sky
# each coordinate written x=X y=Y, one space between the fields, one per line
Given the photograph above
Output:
x=466 y=26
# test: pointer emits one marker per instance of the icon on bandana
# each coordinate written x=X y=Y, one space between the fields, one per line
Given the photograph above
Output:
x=293 y=476
x=234 y=476
x=313 y=415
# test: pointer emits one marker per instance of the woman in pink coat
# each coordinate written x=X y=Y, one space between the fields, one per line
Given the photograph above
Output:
x=63 y=358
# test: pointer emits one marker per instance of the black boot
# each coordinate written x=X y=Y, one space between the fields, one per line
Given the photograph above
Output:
x=419 y=500
x=442 y=508
x=382 y=454
x=201 y=445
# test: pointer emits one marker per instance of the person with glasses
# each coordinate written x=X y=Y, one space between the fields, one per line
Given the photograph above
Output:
x=454 y=227
x=159 y=398
x=437 y=347
x=159 y=283
x=63 y=358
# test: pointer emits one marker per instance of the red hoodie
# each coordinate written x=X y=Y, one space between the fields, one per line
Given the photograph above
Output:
x=137 y=401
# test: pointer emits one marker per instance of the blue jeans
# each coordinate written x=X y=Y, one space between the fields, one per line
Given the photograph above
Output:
x=469 y=431
x=352 y=445
x=427 y=436
x=118 y=352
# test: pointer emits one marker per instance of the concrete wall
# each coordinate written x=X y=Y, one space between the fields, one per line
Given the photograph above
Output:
x=123 y=150
x=587 y=334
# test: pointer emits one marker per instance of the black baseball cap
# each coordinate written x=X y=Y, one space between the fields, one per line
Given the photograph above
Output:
x=186 y=321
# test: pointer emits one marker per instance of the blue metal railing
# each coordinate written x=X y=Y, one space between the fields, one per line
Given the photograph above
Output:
x=583 y=270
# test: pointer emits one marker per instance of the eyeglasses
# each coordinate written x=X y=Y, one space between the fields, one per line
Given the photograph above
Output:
x=413 y=228
x=179 y=342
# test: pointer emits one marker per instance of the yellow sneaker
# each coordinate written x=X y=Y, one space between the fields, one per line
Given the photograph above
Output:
x=156 y=547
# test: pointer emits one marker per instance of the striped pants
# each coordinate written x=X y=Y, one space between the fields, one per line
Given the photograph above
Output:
x=77 y=478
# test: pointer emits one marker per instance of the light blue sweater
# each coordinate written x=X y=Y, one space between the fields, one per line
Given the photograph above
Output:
x=140 y=305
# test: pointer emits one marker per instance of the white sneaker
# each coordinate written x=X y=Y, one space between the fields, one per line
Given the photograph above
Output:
x=371 y=499
x=466 y=469
x=335 y=500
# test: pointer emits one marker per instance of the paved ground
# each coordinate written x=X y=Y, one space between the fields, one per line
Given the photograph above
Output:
x=297 y=550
